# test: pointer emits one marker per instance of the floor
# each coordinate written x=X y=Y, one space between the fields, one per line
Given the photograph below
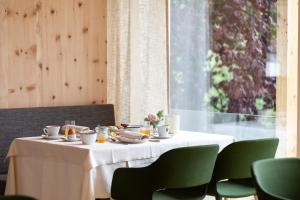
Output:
x=247 y=198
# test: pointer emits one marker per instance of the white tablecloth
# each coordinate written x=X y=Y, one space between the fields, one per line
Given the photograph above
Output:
x=60 y=170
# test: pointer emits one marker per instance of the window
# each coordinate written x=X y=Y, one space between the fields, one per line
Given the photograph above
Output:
x=228 y=66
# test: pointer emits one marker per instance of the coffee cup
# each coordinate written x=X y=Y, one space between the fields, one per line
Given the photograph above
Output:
x=88 y=137
x=163 y=130
x=51 y=130
x=174 y=122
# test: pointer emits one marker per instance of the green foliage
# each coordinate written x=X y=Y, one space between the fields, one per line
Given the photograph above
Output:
x=220 y=74
x=212 y=61
x=259 y=103
x=242 y=117
x=160 y=115
x=270 y=112
x=218 y=97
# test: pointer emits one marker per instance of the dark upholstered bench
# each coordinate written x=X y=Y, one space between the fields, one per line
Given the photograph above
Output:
x=26 y=122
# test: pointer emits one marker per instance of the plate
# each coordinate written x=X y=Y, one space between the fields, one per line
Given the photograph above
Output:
x=46 y=137
x=162 y=137
x=72 y=140
x=129 y=141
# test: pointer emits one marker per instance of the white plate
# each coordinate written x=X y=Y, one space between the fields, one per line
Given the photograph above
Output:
x=162 y=137
x=72 y=140
x=46 y=137
x=130 y=141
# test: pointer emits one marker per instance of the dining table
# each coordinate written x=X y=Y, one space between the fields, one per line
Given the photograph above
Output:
x=60 y=170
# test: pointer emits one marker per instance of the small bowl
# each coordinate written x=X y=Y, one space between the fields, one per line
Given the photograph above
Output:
x=133 y=128
x=88 y=137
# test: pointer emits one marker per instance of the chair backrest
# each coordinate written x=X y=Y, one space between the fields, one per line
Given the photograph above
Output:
x=184 y=167
x=277 y=178
x=26 y=122
x=235 y=160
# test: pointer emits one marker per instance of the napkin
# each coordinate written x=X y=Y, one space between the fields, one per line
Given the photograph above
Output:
x=78 y=129
x=132 y=135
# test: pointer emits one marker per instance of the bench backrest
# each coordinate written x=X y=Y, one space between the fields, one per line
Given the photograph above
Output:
x=26 y=122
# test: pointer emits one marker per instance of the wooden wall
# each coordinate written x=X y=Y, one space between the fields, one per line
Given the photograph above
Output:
x=293 y=79
x=52 y=52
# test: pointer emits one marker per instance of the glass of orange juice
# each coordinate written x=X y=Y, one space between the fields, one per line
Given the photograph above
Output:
x=101 y=139
x=146 y=129
x=102 y=133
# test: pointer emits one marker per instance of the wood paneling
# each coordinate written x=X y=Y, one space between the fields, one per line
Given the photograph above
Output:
x=293 y=75
x=52 y=52
x=281 y=76
x=281 y=51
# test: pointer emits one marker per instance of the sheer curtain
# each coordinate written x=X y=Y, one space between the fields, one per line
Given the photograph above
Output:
x=137 y=58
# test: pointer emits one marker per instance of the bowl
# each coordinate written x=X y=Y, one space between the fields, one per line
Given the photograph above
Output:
x=133 y=128
x=88 y=137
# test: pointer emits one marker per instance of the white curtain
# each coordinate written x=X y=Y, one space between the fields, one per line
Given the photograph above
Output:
x=137 y=58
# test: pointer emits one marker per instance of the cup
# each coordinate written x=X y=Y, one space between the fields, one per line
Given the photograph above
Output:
x=163 y=130
x=51 y=130
x=174 y=122
x=88 y=137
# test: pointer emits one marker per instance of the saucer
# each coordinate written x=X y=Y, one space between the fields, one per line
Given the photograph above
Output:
x=56 y=137
x=162 y=137
x=71 y=140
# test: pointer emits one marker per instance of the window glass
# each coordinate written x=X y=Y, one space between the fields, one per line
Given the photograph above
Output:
x=228 y=66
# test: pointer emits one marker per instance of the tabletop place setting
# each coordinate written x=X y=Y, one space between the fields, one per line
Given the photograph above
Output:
x=155 y=127
x=87 y=155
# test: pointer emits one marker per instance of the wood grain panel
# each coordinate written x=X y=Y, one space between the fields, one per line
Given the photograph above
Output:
x=293 y=74
x=281 y=50
x=281 y=78
x=52 y=52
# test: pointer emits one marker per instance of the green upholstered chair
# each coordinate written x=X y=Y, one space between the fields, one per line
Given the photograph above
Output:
x=181 y=173
x=277 y=178
x=232 y=172
x=11 y=197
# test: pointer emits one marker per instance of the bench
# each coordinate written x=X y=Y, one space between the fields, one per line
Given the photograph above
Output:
x=27 y=122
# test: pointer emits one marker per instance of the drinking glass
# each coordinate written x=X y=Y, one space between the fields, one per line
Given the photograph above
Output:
x=146 y=129
x=69 y=125
x=102 y=132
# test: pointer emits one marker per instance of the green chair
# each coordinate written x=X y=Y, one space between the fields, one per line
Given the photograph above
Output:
x=181 y=173
x=12 y=197
x=277 y=178
x=232 y=172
